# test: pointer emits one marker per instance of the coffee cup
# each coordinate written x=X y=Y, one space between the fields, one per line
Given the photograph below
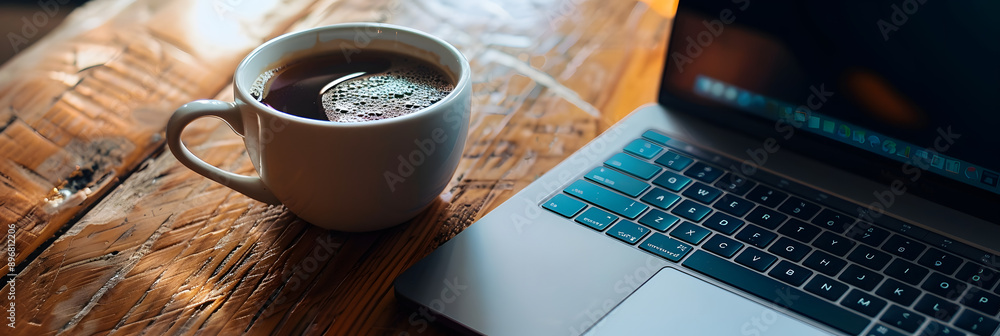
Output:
x=358 y=176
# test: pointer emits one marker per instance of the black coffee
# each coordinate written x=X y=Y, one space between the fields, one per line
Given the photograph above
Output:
x=371 y=85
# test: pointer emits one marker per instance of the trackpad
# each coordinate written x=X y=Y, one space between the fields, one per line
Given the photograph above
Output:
x=676 y=303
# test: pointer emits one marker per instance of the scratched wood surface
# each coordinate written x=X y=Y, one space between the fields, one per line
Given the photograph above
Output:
x=81 y=108
x=128 y=241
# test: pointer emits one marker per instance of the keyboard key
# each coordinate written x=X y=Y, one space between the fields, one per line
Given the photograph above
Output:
x=723 y=223
x=766 y=196
x=766 y=217
x=898 y=292
x=774 y=291
x=904 y=247
x=665 y=247
x=869 y=257
x=789 y=249
x=735 y=184
x=660 y=198
x=756 y=236
x=937 y=329
x=867 y=233
x=733 y=205
x=756 y=259
x=907 y=272
x=596 y=219
x=976 y=323
x=940 y=261
x=799 y=208
x=903 y=319
x=833 y=221
x=564 y=205
x=703 y=172
x=702 y=193
x=674 y=161
x=977 y=275
x=690 y=233
x=617 y=181
x=827 y=288
x=628 y=232
x=882 y=330
x=671 y=181
x=606 y=199
x=655 y=137
x=790 y=273
x=691 y=210
x=830 y=242
x=824 y=263
x=799 y=230
x=943 y=286
x=936 y=307
x=723 y=246
x=981 y=300
x=863 y=302
x=643 y=149
x=658 y=220
x=631 y=165
x=860 y=277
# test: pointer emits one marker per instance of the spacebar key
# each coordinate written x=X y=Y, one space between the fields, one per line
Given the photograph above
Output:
x=777 y=292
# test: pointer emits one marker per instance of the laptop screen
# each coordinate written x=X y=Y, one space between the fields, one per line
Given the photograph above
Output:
x=891 y=89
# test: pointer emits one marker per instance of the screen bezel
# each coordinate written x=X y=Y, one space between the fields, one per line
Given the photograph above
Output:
x=942 y=190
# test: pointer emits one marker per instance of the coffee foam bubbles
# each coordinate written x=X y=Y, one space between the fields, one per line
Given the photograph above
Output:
x=259 y=85
x=405 y=88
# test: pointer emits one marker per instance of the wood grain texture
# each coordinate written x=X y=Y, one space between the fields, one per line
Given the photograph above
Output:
x=83 y=106
x=169 y=252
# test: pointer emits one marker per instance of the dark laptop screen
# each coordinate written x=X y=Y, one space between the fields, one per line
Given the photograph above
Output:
x=895 y=90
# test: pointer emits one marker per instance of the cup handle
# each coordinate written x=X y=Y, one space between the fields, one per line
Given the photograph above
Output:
x=230 y=113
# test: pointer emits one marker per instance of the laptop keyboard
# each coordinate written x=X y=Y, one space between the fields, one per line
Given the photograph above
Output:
x=858 y=277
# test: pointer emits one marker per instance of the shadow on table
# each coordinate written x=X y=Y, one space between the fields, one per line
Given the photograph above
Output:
x=22 y=22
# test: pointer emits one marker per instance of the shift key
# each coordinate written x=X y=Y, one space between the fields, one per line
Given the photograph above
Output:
x=605 y=198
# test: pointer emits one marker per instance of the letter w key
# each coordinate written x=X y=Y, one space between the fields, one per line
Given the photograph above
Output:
x=702 y=193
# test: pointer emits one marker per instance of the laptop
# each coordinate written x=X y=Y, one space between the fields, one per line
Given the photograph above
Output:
x=810 y=168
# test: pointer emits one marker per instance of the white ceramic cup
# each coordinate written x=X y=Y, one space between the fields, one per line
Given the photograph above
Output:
x=342 y=176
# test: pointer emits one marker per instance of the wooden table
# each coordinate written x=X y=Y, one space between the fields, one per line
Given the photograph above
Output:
x=114 y=236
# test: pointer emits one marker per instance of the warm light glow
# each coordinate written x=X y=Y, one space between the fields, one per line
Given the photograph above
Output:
x=666 y=8
x=882 y=99
x=215 y=26
x=228 y=22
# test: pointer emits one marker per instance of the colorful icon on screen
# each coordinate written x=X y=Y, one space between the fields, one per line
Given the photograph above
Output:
x=937 y=162
x=972 y=173
x=704 y=84
x=989 y=178
x=828 y=126
x=718 y=88
x=889 y=146
x=952 y=166
x=800 y=117
x=844 y=131
x=785 y=114
x=874 y=141
x=731 y=94
x=903 y=152
x=744 y=99
x=859 y=136
x=813 y=122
